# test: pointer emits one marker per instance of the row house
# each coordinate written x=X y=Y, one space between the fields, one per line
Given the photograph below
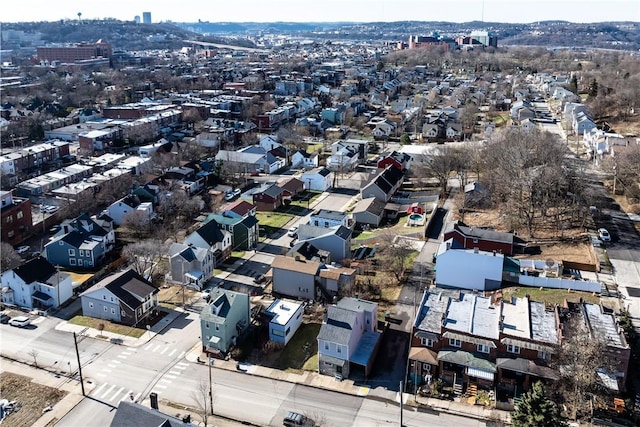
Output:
x=53 y=180
x=16 y=218
x=472 y=342
x=30 y=160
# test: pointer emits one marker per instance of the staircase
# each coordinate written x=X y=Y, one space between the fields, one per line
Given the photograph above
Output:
x=472 y=390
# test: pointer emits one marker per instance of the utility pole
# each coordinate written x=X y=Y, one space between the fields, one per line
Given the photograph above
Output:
x=75 y=341
x=401 y=388
x=210 y=386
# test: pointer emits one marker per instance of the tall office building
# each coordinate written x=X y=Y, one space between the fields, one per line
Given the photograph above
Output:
x=136 y=19
x=146 y=17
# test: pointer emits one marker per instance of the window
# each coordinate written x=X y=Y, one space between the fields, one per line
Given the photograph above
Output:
x=9 y=219
x=287 y=331
x=277 y=333
x=206 y=325
x=454 y=342
x=10 y=234
x=72 y=252
x=90 y=305
x=513 y=349
x=19 y=215
x=123 y=314
x=426 y=342
x=426 y=367
x=113 y=311
x=544 y=355
x=483 y=348
x=339 y=349
x=326 y=346
x=105 y=308
x=217 y=327
x=72 y=261
x=81 y=252
x=104 y=297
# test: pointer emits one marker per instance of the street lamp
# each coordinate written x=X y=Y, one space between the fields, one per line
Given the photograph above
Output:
x=210 y=385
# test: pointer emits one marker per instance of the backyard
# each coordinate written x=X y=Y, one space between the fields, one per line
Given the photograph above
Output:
x=31 y=397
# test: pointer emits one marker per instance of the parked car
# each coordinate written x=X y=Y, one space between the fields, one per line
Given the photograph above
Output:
x=294 y=419
x=259 y=279
x=4 y=318
x=20 y=321
x=293 y=232
x=23 y=249
x=604 y=235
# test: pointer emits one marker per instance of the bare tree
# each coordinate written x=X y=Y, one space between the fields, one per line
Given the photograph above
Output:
x=9 y=258
x=580 y=358
x=202 y=399
x=145 y=256
x=394 y=254
x=138 y=222
x=440 y=164
x=34 y=353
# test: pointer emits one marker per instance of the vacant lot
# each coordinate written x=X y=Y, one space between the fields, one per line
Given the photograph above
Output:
x=301 y=354
x=550 y=297
x=32 y=397
x=174 y=295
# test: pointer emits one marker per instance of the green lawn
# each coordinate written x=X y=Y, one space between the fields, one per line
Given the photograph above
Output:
x=550 y=296
x=301 y=354
x=273 y=219
x=90 y=322
x=501 y=119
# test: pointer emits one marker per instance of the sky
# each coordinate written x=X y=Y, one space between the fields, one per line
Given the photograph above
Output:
x=513 y=11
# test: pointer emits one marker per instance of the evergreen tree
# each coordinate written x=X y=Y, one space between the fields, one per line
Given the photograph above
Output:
x=536 y=410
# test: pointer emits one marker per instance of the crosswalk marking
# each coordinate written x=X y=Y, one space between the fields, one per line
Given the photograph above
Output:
x=173 y=377
x=111 y=366
x=175 y=372
x=96 y=392
x=186 y=365
x=116 y=361
x=148 y=347
x=182 y=368
x=116 y=393
x=156 y=348
x=120 y=356
x=164 y=350
x=126 y=353
x=106 y=370
x=108 y=391
x=165 y=380
x=181 y=354
x=126 y=395
x=172 y=351
x=101 y=375
x=161 y=386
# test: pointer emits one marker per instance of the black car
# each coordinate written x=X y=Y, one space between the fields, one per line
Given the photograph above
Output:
x=4 y=318
x=259 y=279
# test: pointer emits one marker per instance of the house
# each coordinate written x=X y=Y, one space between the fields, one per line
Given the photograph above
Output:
x=527 y=125
x=131 y=414
x=295 y=277
x=306 y=251
x=432 y=131
x=476 y=195
x=483 y=239
x=384 y=184
x=348 y=339
x=369 y=212
x=336 y=279
x=482 y=270
x=189 y=265
x=242 y=162
x=223 y=320
x=285 y=317
x=302 y=159
x=319 y=179
x=15 y=218
x=291 y=187
x=124 y=297
x=244 y=229
x=454 y=131
x=396 y=159
x=130 y=205
x=268 y=198
x=241 y=208
x=212 y=237
x=36 y=284
x=344 y=158
x=383 y=130
x=82 y=242
x=328 y=219
x=336 y=241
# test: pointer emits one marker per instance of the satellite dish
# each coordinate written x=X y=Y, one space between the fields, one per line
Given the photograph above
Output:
x=550 y=262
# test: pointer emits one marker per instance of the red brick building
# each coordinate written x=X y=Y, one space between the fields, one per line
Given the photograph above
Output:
x=78 y=52
x=16 y=218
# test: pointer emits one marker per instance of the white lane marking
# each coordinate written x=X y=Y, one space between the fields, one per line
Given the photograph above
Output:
x=121 y=356
x=116 y=393
x=185 y=364
x=173 y=377
x=126 y=353
x=164 y=350
x=172 y=351
x=116 y=361
x=156 y=348
x=161 y=386
x=181 y=355
x=166 y=381
x=111 y=366
x=175 y=372
x=148 y=347
x=101 y=375
x=99 y=389
x=106 y=370
x=108 y=391
x=182 y=368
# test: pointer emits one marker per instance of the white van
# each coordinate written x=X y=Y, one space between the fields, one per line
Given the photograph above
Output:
x=20 y=321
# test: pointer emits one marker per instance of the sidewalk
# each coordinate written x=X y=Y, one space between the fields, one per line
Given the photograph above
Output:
x=123 y=339
x=324 y=382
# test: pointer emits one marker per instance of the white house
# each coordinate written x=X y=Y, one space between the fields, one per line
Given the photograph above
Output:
x=119 y=209
x=343 y=159
x=213 y=238
x=468 y=268
x=189 y=265
x=348 y=336
x=302 y=159
x=285 y=319
x=329 y=219
x=319 y=179
x=36 y=284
